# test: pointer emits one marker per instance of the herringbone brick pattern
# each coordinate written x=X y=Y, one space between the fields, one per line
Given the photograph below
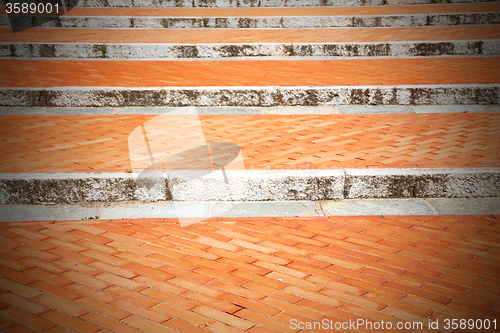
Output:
x=247 y=274
x=167 y=73
x=100 y=143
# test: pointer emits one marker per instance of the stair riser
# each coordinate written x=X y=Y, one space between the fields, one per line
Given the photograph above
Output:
x=250 y=96
x=256 y=22
x=175 y=51
x=257 y=3
x=252 y=186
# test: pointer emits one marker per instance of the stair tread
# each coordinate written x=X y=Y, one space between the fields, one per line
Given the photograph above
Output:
x=167 y=73
x=68 y=143
x=223 y=36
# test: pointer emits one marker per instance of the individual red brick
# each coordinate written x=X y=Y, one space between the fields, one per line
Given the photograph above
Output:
x=244 y=266
x=255 y=318
x=44 y=265
x=104 y=257
x=353 y=299
x=63 y=306
x=66 y=254
x=141 y=311
x=19 y=329
x=183 y=326
x=14 y=264
x=18 y=288
x=108 y=323
x=400 y=304
x=123 y=282
x=92 y=293
x=417 y=292
x=162 y=260
x=103 y=308
x=221 y=253
x=165 y=286
x=12 y=254
x=58 y=280
x=76 y=266
x=91 y=237
x=303 y=283
x=164 y=251
x=170 y=298
x=373 y=287
x=230 y=320
x=188 y=275
x=22 y=303
x=130 y=240
x=28 y=233
x=211 y=302
x=28 y=319
x=146 y=325
x=280 y=294
x=132 y=296
x=55 y=290
x=189 y=316
x=259 y=279
x=85 y=279
x=99 y=247
x=220 y=276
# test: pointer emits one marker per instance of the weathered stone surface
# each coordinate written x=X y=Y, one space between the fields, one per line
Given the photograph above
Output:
x=422 y=183
x=250 y=96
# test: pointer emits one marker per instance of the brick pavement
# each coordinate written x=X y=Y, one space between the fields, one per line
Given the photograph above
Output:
x=342 y=72
x=68 y=143
x=247 y=274
x=224 y=36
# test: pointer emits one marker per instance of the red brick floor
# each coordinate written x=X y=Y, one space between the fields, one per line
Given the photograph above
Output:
x=207 y=36
x=67 y=143
x=248 y=274
x=340 y=72
x=290 y=11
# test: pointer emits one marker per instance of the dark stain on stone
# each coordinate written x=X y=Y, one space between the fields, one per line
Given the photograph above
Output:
x=360 y=96
x=100 y=51
x=12 y=49
x=221 y=22
x=433 y=49
x=132 y=22
x=312 y=97
x=47 y=51
x=244 y=22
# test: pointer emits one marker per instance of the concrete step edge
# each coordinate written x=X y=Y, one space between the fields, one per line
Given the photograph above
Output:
x=210 y=209
x=248 y=50
x=249 y=185
x=228 y=110
x=407 y=20
x=487 y=94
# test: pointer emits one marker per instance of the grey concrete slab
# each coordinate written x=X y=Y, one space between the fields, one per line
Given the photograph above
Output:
x=72 y=111
x=290 y=110
x=157 y=210
x=265 y=208
x=21 y=110
x=472 y=206
x=449 y=108
x=46 y=213
x=376 y=207
x=493 y=108
x=373 y=109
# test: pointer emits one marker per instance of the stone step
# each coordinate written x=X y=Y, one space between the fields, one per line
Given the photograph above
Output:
x=120 y=83
x=193 y=157
x=171 y=44
x=259 y=18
